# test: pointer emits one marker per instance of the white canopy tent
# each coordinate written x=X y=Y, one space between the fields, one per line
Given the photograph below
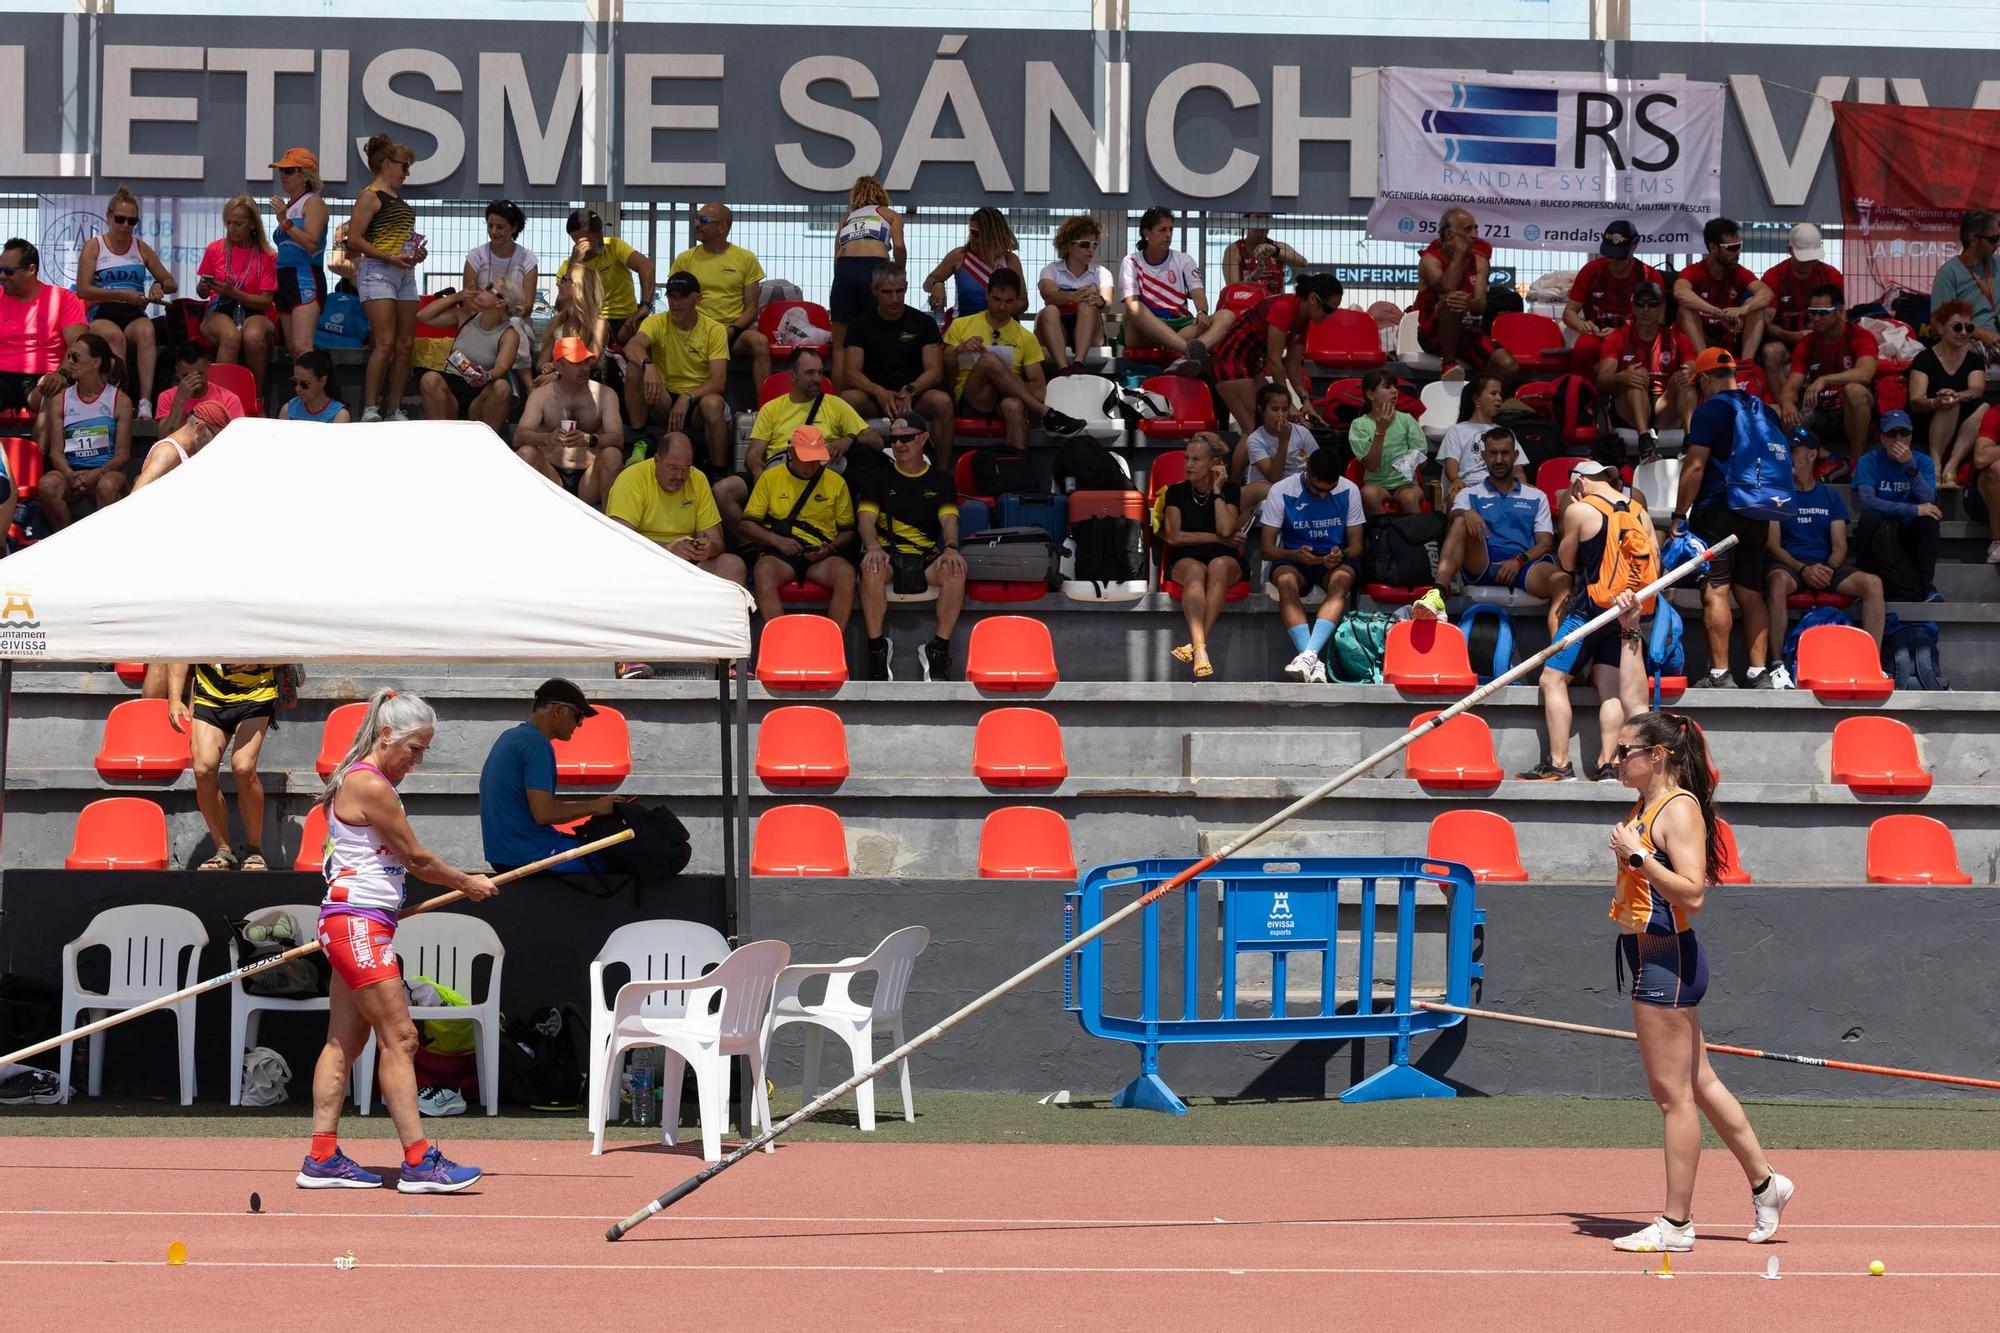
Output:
x=393 y=542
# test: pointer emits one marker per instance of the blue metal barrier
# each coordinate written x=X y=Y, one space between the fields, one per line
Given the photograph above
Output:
x=1279 y=908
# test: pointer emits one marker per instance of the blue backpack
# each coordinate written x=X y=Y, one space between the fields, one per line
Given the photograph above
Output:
x=1819 y=615
x=1491 y=646
x=341 y=322
x=1759 y=466
x=1665 y=655
x=1910 y=654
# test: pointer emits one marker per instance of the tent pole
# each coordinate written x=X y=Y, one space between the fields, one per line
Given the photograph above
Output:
x=729 y=805
x=742 y=821
x=6 y=721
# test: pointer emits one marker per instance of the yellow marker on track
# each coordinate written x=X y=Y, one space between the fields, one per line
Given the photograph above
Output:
x=177 y=1252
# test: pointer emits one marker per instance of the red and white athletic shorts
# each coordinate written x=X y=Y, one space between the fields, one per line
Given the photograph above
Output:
x=362 y=951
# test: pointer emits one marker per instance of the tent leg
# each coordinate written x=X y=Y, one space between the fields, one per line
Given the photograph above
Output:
x=742 y=821
x=6 y=721
x=728 y=804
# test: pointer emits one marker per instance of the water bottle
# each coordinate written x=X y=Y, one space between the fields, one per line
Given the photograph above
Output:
x=645 y=1102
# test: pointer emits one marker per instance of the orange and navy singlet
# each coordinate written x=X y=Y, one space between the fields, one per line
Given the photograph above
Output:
x=1656 y=943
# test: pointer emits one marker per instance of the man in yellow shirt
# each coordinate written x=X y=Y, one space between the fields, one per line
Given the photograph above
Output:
x=686 y=360
x=666 y=500
x=808 y=403
x=802 y=517
x=999 y=364
x=616 y=262
x=731 y=286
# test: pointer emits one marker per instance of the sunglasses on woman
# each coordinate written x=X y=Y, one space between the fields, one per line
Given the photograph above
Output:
x=1621 y=753
x=125 y=221
x=1959 y=327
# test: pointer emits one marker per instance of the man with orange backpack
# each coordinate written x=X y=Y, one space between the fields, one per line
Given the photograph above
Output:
x=1607 y=549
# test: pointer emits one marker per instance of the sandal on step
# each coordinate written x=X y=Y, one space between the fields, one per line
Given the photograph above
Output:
x=1203 y=668
x=1184 y=653
x=253 y=859
x=224 y=859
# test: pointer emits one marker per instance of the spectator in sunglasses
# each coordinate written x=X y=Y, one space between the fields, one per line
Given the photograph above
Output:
x=1645 y=379
x=1948 y=391
x=121 y=278
x=312 y=391
x=38 y=322
x=1831 y=383
x=1791 y=281
x=732 y=286
x=1076 y=292
x=1969 y=276
x=1723 y=304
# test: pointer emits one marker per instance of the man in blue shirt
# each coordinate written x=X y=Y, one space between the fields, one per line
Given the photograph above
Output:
x=1312 y=524
x=1502 y=533
x=1703 y=508
x=518 y=807
x=1894 y=483
x=1808 y=550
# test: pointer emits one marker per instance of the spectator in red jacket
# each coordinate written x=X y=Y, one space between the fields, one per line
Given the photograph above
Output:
x=1601 y=297
x=1831 y=386
x=1722 y=303
x=1451 y=300
x=1791 y=282
x=1645 y=377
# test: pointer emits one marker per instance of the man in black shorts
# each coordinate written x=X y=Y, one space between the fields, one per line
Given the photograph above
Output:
x=231 y=702
x=571 y=430
x=1808 y=552
x=895 y=362
x=907 y=514
x=1703 y=509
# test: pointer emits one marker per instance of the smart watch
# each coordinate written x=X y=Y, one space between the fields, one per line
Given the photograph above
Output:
x=1635 y=859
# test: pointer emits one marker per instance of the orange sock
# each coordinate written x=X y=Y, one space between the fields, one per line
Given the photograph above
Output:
x=413 y=1156
x=324 y=1146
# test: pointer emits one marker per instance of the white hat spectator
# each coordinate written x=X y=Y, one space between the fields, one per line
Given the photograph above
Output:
x=1805 y=243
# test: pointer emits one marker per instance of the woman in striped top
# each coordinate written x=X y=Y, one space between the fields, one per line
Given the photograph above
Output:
x=1666 y=851
x=384 y=238
x=989 y=244
x=230 y=702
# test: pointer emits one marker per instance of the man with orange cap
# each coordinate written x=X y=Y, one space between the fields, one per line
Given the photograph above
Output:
x=801 y=515
x=571 y=430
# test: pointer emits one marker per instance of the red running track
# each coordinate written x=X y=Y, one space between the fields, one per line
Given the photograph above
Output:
x=883 y=1236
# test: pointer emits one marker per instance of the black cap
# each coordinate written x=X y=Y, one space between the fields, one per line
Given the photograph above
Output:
x=683 y=283
x=1620 y=238
x=1652 y=289
x=909 y=423
x=560 y=691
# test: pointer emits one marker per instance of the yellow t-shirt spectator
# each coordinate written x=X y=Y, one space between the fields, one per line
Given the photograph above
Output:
x=614 y=273
x=723 y=278
x=1013 y=336
x=777 y=419
x=683 y=354
x=828 y=512
x=664 y=516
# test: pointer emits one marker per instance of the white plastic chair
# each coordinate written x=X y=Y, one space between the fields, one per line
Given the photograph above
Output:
x=1441 y=399
x=724 y=1018
x=245 y=1008
x=662 y=950
x=1082 y=396
x=1410 y=352
x=445 y=946
x=854 y=1023
x=1660 y=482
x=146 y=941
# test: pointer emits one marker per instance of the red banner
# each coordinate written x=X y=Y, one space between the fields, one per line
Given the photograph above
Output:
x=1907 y=173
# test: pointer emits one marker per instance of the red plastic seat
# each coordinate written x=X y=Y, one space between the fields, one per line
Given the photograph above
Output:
x=1190 y=408
x=998 y=590
x=1842 y=662
x=1805 y=601
x=1425 y=657
x=1457 y=756
x=795 y=592
x=131 y=673
x=598 y=753
x=1535 y=341
x=801 y=652
x=138 y=743
x=1552 y=477
x=239 y=381
x=24 y=463
x=802 y=745
x=312 y=840
x=1480 y=840
x=1025 y=842
x=1345 y=340
x=1912 y=849
x=961 y=477
x=773 y=314
x=979 y=428
x=1011 y=654
x=1877 y=756
x=336 y=736
x=799 y=840
x=1238 y=297
x=1395 y=594
x=776 y=385
x=1729 y=868
x=1018 y=747
x=119 y=833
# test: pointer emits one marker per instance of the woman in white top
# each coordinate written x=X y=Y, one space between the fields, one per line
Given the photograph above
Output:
x=871 y=232
x=86 y=433
x=120 y=279
x=1165 y=305
x=1076 y=291
x=1280 y=447
x=504 y=263
x=1463 y=446
x=370 y=848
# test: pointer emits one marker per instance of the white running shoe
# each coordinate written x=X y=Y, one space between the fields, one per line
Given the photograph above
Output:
x=399 y=415
x=1993 y=553
x=373 y=413
x=1300 y=668
x=1781 y=679
x=145 y=409
x=1317 y=676
x=1660 y=1236
x=1768 y=1206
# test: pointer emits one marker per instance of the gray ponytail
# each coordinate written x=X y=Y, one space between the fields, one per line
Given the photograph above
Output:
x=402 y=714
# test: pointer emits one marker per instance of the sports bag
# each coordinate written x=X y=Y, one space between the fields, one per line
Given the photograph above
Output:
x=1359 y=643
x=1885 y=557
x=1402 y=549
x=269 y=933
x=1033 y=508
x=1086 y=465
x=1007 y=555
x=542 y=1060
x=1489 y=639
x=1631 y=560
x=1910 y=654
x=1109 y=549
x=342 y=323
x=997 y=470
x=1666 y=655
x=1759 y=466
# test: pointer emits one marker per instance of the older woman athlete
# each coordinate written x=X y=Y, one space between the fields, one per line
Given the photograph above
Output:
x=1666 y=852
x=369 y=849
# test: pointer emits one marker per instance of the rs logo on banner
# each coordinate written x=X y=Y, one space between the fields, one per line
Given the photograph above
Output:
x=1546 y=163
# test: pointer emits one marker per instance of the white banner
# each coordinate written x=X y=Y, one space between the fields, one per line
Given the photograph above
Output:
x=1545 y=163
x=179 y=230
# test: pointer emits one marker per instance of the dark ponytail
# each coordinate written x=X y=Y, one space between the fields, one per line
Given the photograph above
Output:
x=1687 y=759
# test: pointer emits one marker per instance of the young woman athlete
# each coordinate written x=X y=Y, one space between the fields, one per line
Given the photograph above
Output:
x=1665 y=852
x=369 y=849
